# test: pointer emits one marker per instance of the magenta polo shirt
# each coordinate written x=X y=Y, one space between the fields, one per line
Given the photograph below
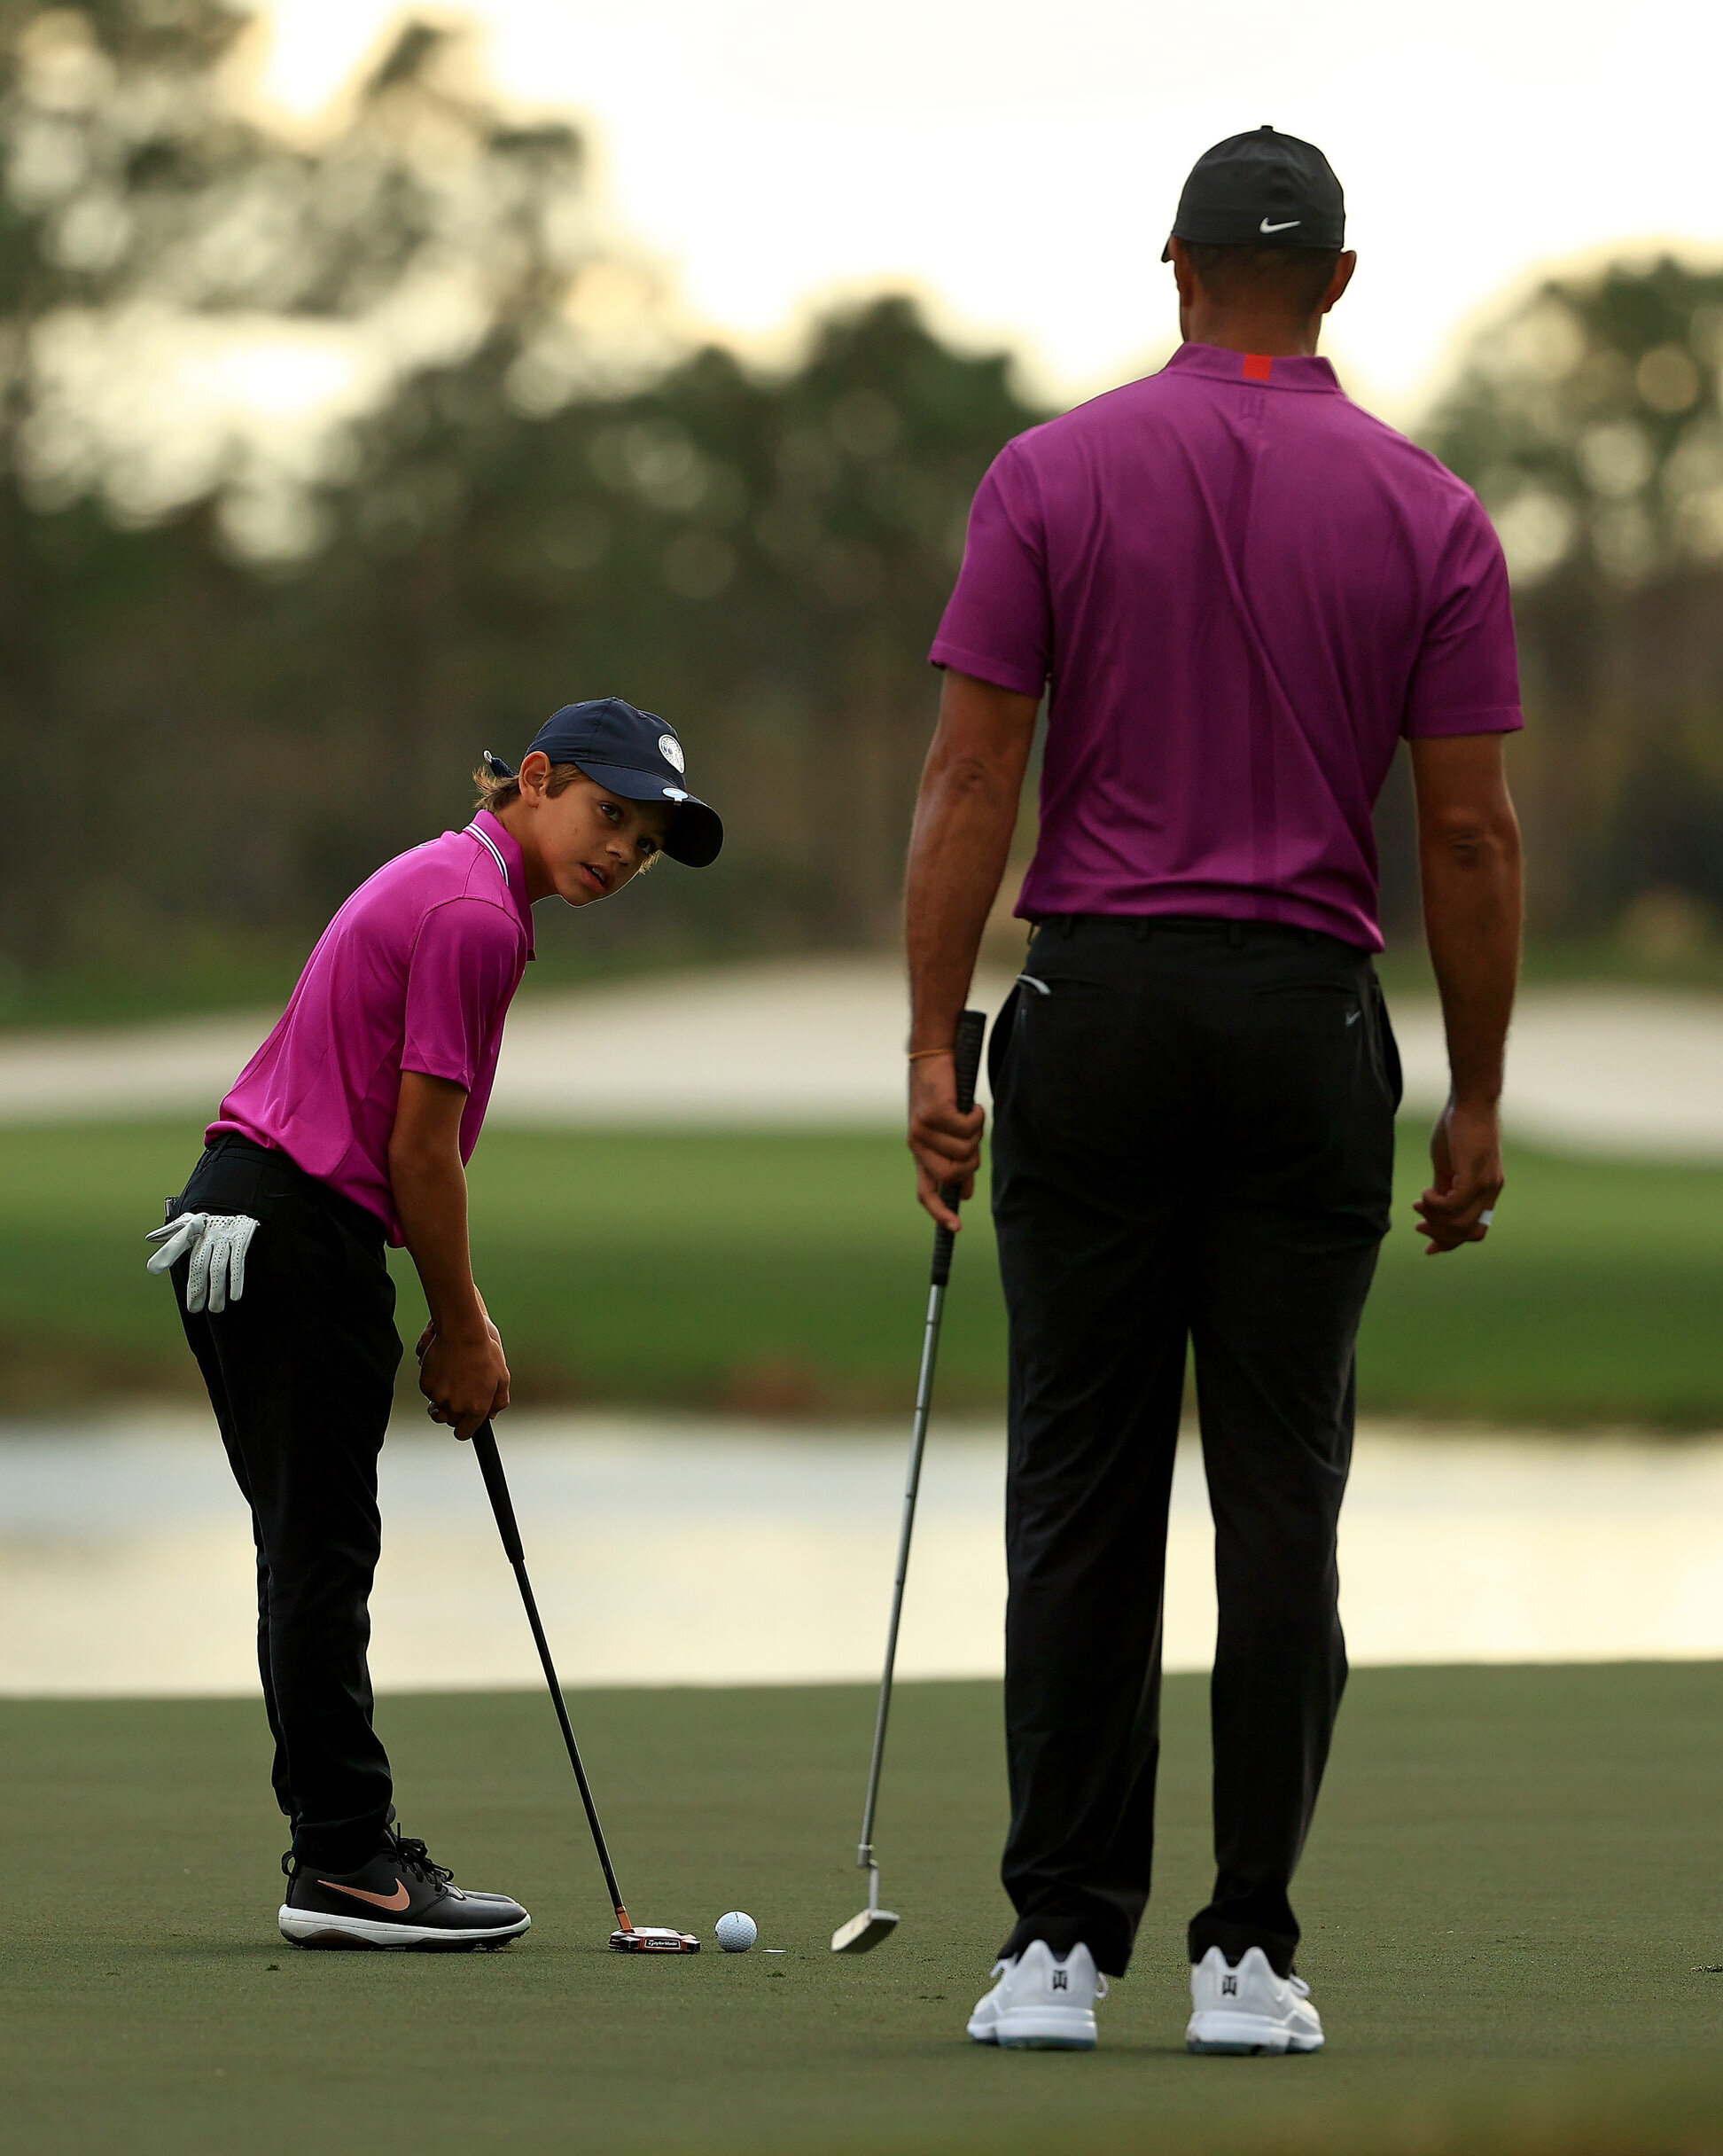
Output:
x=1240 y=590
x=415 y=972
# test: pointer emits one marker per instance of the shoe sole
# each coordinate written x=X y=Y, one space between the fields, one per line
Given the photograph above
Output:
x=1032 y=2030
x=301 y=1928
x=1244 y=2036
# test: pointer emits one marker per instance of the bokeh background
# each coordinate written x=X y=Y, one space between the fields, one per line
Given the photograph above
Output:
x=375 y=382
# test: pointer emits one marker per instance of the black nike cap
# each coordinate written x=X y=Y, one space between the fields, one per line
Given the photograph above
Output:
x=1262 y=189
x=632 y=753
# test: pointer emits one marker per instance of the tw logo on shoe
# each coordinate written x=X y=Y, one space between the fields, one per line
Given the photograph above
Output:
x=1229 y=1984
x=1061 y=1980
x=398 y=1899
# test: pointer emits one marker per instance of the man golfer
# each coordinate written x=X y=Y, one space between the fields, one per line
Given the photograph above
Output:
x=1238 y=592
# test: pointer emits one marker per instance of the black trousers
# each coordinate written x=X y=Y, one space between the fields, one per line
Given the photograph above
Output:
x=1193 y=1143
x=300 y=1374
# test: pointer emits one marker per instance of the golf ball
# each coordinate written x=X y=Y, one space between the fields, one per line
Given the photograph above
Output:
x=736 y=1933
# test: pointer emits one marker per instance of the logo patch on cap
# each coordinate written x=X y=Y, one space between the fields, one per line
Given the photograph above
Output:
x=670 y=750
x=674 y=793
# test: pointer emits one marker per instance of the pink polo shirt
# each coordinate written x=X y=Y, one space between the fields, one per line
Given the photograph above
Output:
x=415 y=972
x=1240 y=590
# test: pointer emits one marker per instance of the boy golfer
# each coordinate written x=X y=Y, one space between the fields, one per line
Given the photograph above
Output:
x=350 y=1130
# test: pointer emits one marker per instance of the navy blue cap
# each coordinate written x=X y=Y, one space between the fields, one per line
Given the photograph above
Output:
x=633 y=753
x=1263 y=190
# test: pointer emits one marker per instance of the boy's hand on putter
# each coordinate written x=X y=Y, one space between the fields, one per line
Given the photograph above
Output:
x=946 y=1142
x=465 y=1379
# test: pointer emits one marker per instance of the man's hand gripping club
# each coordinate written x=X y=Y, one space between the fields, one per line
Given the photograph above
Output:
x=945 y=1141
x=964 y=817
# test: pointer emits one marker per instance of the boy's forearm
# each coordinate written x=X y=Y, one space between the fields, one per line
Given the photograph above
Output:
x=430 y=1200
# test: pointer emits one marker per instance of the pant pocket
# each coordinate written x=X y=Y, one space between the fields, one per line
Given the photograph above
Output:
x=1072 y=1065
x=999 y=1043
x=1387 y=1047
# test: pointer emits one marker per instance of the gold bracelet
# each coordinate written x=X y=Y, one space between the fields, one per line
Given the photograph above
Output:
x=916 y=1054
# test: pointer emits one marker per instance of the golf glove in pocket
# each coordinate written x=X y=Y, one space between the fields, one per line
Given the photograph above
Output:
x=217 y=1243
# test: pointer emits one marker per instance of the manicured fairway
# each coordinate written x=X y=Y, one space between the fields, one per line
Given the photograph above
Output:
x=787 y=1272
x=1510 y=1902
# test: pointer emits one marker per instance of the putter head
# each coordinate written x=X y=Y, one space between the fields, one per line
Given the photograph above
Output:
x=861 y=1934
x=654 y=1939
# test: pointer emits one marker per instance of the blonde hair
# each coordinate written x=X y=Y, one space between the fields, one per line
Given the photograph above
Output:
x=497 y=793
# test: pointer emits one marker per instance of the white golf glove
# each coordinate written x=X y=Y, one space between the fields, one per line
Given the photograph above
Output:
x=217 y=1243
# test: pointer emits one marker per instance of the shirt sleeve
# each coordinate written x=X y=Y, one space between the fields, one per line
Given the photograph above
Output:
x=1466 y=680
x=465 y=964
x=999 y=624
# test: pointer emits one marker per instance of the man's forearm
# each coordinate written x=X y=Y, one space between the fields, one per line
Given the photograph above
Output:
x=1472 y=921
x=964 y=817
x=431 y=1199
x=957 y=855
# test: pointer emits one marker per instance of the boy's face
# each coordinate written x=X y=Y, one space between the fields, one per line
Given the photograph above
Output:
x=586 y=842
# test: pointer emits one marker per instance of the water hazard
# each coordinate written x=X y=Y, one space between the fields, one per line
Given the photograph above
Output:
x=732 y=1553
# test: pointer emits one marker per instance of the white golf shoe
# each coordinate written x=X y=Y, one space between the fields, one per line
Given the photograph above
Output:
x=1249 y=2008
x=1039 y=2004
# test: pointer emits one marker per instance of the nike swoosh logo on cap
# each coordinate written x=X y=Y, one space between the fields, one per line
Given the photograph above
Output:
x=398 y=1899
x=1265 y=227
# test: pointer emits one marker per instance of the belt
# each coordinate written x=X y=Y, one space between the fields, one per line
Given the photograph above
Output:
x=1138 y=927
x=359 y=1219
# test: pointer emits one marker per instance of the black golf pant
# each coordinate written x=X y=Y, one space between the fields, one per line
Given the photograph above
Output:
x=1193 y=1143
x=300 y=1374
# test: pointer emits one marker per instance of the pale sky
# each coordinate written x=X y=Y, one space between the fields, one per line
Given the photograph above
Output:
x=1017 y=162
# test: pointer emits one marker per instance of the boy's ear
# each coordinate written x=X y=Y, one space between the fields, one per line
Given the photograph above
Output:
x=535 y=770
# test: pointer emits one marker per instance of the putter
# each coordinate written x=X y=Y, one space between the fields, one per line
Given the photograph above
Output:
x=627 y=1938
x=864 y=1931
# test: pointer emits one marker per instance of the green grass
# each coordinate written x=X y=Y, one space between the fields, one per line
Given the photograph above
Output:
x=1598 y=1298
x=771 y=1272
x=214 y=967
x=210 y=970
x=1510 y=1907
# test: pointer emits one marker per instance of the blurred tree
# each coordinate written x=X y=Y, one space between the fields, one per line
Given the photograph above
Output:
x=1588 y=420
x=137 y=209
x=136 y=198
x=254 y=673
x=266 y=688
x=763 y=558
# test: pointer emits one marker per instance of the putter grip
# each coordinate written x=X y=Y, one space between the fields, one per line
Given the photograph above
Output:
x=972 y=1030
x=490 y=1465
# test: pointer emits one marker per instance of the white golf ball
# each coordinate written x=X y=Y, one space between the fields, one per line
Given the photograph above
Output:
x=736 y=1933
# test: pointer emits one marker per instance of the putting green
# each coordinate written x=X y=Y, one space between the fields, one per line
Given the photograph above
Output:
x=1509 y=1900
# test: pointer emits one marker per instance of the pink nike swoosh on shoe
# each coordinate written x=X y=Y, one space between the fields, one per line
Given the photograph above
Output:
x=398 y=1899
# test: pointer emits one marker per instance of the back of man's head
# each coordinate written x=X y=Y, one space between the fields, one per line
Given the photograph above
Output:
x=1262 y=223
x=1263 y=220
x=1292 y=281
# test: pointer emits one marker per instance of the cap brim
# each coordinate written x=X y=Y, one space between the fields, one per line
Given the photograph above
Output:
x=696 y=833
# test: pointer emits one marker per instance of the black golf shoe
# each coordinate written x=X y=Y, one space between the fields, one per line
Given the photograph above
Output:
x=400 y=1900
